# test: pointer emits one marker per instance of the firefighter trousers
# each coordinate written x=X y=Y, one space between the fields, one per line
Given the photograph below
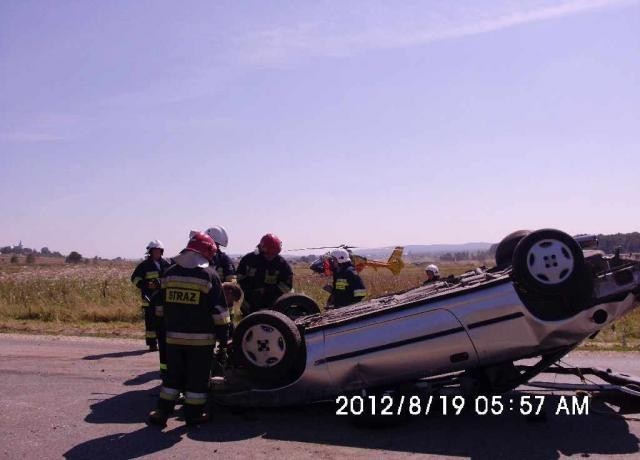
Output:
x=188 y=368
x=149 y=324
x=162 y=348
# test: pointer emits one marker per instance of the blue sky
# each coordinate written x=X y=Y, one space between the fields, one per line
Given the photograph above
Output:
x=372 y=123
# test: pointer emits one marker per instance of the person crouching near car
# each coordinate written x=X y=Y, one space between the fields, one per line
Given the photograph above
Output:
x=348 y=287
x=232 y=295
x=146 y=277
x=432 y=272
x=195 y=315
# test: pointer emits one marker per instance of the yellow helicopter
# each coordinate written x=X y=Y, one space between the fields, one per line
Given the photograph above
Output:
x=394 y=264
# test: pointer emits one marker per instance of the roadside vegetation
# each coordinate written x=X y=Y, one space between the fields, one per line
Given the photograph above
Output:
x=98 y=299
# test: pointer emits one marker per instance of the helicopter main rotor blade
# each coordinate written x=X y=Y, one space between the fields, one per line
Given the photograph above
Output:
x=325 y=247
x=308 y=249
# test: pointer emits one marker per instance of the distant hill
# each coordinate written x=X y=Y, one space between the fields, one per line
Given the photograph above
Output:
x=628 y=242
x=419 y=250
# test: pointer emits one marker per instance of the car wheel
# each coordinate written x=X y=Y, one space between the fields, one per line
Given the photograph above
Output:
x=267 y=344
x=506 y=247
x=550 y=262
x=296 y=305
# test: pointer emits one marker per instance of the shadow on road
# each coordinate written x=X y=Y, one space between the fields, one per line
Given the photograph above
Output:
x=129 y=407
x=603 y=432
x=508 y=436
x=143 y=378
x=119 y=354
x=122 y=446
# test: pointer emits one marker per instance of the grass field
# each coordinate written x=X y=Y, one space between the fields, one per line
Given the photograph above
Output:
x=98 y=299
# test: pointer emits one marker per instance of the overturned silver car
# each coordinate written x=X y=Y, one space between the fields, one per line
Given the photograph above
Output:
x=548 y=293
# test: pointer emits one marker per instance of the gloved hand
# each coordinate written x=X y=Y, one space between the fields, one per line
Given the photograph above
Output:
x=153 y=284
x=221 y=356
x=245 y=308
x=329 y=303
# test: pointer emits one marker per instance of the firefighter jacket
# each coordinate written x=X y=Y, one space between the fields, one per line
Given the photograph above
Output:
x=193 y=306
x=348 y=287
x=146 y=277
x=262 y=280
x=432 y=280
x=223 y=266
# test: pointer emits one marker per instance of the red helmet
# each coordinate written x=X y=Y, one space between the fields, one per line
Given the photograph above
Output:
x=270 y=245
x=203 y=244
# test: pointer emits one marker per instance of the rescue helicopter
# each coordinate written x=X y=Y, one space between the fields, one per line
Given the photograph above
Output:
x=321 y=265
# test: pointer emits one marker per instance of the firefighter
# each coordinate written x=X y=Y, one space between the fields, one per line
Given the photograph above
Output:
x=195 y=315
x=146 y=277
x=232 y=294
x=432 y=272
x=347 y=287
x=221 y=261
x=264 y=275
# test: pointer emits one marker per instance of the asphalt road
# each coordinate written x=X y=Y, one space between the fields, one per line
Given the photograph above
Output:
x=86 y=398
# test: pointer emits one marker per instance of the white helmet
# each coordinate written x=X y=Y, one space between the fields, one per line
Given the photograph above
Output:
x=155 y=244
x=341 y=255
x=433 y=269
x=219 y=235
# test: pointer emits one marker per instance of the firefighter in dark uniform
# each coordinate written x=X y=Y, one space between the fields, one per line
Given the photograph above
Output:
x=347 y=287
x=146 y=277
x=223 y=265
x=221 y=261
x=264 y=275
x=232 y=294
x=432 y=272
x=195 y=315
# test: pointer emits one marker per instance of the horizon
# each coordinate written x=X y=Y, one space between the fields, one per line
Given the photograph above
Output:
x=361 y=122
x=285 y=252
x=431 y=249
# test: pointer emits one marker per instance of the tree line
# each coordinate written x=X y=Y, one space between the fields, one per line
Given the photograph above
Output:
x=627 y=242
x=31 y=254
x=18 y=250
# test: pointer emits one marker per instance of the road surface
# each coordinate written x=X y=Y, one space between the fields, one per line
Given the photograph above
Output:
x=88 y=398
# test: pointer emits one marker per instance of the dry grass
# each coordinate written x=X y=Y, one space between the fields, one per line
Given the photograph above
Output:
x=102 y=293
x=82 y=293
x=378 y=282
x=98 y=299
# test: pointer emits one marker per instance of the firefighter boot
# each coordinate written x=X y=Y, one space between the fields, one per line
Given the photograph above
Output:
x=203 y=417
x=158 y=418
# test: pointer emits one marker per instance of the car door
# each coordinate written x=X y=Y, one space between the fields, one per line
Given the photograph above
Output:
x=397 y=346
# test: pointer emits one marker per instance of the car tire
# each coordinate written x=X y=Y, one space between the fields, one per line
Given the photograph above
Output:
x=549 y=261
x=296 y=306
x=506 y=247
x=268 y=345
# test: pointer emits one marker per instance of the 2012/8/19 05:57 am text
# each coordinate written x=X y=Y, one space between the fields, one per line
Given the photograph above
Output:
x=415 y=405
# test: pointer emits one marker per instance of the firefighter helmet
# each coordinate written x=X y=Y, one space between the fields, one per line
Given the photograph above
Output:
x=155 y=244
x=270 y=245
x=341 y=255
x=219 y=235
x=433 y=269
x=202 y=244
